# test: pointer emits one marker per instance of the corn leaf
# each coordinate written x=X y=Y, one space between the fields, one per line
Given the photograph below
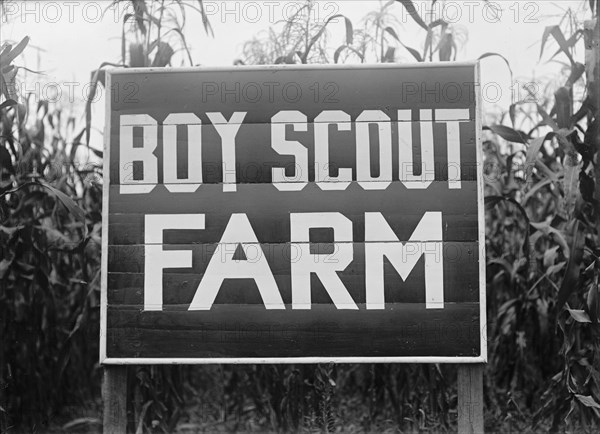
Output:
x=558 y=35
x=508 y=133
x=410 y=8
x=7 y=57
x=579 y=315
x=68 y=203
x=490 y=54
x=571 y=278
x=588 y=401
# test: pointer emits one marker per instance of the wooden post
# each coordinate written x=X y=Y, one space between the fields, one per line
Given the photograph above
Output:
x=4 y=404
x=4 y=385
x=470 y=398
x=114 y=396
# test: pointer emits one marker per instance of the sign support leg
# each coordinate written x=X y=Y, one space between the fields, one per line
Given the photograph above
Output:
x=470 y=398
x=114 y=396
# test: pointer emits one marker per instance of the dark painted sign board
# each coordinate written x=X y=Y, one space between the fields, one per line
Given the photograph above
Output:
x=293 y=214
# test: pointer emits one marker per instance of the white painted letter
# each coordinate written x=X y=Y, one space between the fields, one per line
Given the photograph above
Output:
x=405 y=138
x=222 y=266
x=363 y=150
x=322 y=122
x=129 y=154
x=289 y=147
x=156 y=259
x=452 y=117
x=228 y=130
x=194 y=158
x=426 y=240
x=325 y=266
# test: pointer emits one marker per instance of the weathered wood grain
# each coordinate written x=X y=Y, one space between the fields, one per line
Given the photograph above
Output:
x=269 y=210
x=238 y=326
x=255 y=158
x=405 y=329
x=350 y=89
x=470 y=399
x=114 y=396
x=126 y=265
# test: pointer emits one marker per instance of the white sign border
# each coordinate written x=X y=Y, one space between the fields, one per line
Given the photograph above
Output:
x=482 y=358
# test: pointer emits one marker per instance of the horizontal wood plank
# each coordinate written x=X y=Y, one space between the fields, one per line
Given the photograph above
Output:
x=128 y=229
x=255 y=158
x=126 y=265
x=268 y=210
x=310 y=90
x=251 y=331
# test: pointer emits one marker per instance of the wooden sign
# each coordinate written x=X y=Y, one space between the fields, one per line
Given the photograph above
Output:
x=293 y=214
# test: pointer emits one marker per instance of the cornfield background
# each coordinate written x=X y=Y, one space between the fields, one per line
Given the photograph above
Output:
x=542 y=174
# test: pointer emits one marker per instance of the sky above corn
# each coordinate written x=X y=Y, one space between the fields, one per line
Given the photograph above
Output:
x=69 y=39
